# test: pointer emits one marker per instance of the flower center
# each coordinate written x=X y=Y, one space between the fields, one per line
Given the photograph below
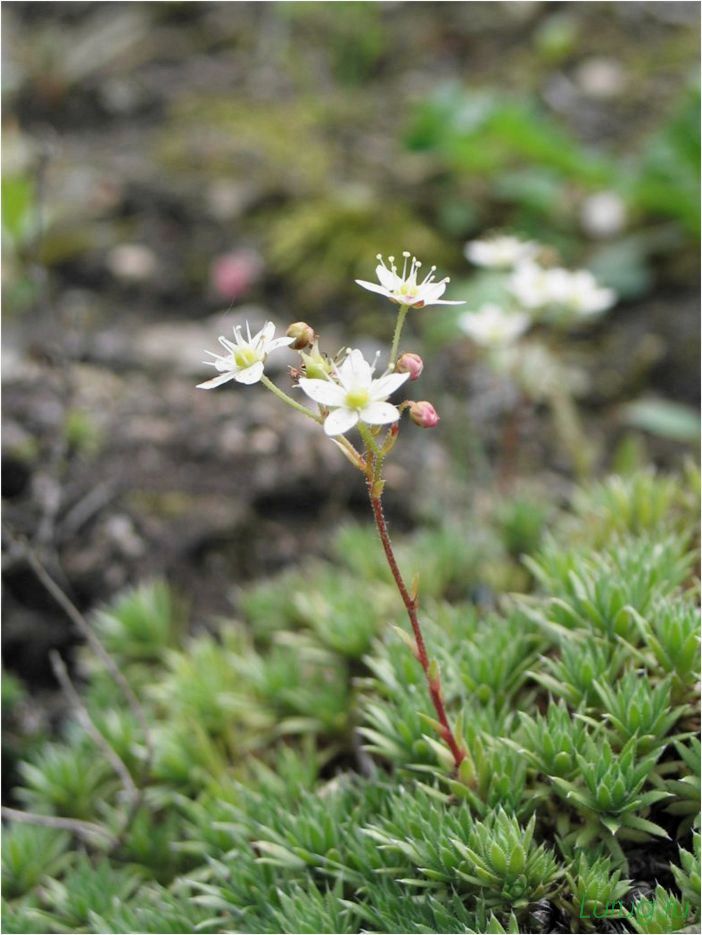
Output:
x=357 y=399
x=245 y=356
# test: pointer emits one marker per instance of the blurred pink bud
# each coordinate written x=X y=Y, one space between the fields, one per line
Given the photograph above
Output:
x=424 y=415
x=302 y=334
x=410 y=363
x=233 y=274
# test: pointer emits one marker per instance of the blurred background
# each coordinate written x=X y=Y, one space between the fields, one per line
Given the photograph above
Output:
x=171 y=169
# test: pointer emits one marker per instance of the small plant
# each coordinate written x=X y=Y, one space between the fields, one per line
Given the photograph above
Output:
x=638 y=709
x=142 y=624
x=595 y=885
x=348 y=395
x=28 y=855
x=610 y=794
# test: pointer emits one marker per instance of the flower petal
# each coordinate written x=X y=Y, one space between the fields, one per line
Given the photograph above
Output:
x=250 y=374
x=386 y=386
x=373 y=287
x=356 y=372
x=387 y=278
x=323 y=391
x=217 y=381
x=340 y=421
x=380 y=413
x=276 y=342
x=265 y=334
x=446 y=302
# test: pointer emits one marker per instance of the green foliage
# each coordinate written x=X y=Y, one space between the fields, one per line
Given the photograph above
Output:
x=594 y=882
x=531 y=162
x=664 y=912
x=28 y=855
x=609 y=791
x=65 y=780
x=668 y=183
x=573 y=674
x=505 y=863
x=552 y=741
x=636 y=504
x=306 y=908
x=298 y=782
x=142 y=624
x=520 y=522
x=687 y=875
x=638 y=709
x=89 y=887
x=686 y=791
x=671 y=633
x=156 y=911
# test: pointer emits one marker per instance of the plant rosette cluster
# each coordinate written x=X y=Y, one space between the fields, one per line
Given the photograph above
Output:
x=350 y=395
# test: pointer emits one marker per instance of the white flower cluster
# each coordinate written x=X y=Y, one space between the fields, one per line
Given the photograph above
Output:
x=573 y=293
x=538 y=293
x=345 y=389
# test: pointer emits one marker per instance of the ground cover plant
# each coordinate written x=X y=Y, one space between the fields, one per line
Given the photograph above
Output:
x=513 y=762
x=296 y=783
x=404 y=635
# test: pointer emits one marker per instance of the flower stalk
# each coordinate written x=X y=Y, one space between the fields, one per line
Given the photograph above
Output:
x=431 y=671
x=401 y=315
x=348 y=396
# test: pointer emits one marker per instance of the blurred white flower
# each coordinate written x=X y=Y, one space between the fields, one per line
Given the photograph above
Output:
x=245 y=357
x=585 y=296
x=354 y=395
x=603 y=214
x=502 y=252
x=535 y=287
x=403 y=288
x=576 y=293
x=492 y=326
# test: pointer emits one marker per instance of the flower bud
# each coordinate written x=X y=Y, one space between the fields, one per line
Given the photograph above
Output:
x=410 y=363
x=302 y=335
x=424 y=415
x=317 y=366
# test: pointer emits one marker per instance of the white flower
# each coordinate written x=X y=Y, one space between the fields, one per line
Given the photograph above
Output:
x=403 y=289
x=245 y=357
x=491 y=326
x=585 y=296
x=574 y=293
x=603 y=214
x=501 y=252
x=535 y=287
x=354 y=395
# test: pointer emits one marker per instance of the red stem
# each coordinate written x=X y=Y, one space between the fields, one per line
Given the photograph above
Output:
x=433 y=682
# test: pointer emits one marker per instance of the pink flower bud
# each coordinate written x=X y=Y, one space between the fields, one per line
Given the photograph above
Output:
x=302 y=334
x=410 y=363
x=424 y=415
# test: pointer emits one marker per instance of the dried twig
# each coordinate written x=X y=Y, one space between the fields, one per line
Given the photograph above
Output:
x=86 y=829
x=87 y=631
x=90 y=728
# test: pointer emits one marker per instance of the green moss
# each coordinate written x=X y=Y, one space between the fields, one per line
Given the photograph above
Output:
x=298 y=783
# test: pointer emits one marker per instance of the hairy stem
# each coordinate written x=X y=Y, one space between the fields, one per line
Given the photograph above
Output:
x=410 y=602
x=401 y=315
x=288 y=400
